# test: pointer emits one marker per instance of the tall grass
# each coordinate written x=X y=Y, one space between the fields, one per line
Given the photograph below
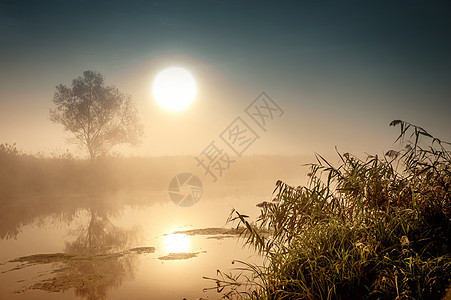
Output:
x=367 y=229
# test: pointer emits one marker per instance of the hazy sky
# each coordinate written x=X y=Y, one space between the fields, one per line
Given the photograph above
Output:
x=340 y=70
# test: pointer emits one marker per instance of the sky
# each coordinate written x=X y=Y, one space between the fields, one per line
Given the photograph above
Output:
x=340 y=71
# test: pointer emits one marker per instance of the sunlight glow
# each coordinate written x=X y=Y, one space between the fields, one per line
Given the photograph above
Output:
x=176 y=243
x=174 y=88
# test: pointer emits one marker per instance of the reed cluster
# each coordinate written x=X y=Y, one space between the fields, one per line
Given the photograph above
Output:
x=377 y=228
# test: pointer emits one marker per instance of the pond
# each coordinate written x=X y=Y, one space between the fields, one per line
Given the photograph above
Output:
x=124 y=245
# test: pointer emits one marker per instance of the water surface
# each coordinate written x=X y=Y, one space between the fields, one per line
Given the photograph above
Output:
x=120 y=246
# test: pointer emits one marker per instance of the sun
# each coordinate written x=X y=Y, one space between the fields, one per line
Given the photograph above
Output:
x=174 y=88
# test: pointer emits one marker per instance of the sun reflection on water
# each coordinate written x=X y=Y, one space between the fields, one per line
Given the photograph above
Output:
x=176 y=243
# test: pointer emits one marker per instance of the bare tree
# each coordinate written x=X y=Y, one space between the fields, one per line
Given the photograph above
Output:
x=99 y=117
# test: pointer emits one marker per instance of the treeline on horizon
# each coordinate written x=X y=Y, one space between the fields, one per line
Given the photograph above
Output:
x=23 y=175
x=34 y=186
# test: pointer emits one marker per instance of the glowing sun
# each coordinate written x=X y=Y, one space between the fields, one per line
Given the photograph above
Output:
x=174 y=88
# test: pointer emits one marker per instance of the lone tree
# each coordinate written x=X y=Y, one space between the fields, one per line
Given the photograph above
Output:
x=99 y=117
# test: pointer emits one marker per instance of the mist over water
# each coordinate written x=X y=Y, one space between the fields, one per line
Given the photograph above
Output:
x=103 y=230
x=140 y=126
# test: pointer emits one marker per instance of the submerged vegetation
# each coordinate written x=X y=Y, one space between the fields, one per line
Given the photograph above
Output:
x=368 y=229
x=89 y=275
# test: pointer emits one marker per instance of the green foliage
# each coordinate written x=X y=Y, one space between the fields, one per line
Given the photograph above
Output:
x=99 y=117
x=373 y=229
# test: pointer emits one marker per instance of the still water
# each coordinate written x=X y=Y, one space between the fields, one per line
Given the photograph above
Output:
x=136 y=245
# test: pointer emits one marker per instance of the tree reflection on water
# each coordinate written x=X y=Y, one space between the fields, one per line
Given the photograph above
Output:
x=101 y=236
x=96 y=261
x=105 y=267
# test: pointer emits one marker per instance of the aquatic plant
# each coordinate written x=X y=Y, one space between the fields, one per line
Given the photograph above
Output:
x=377 y=228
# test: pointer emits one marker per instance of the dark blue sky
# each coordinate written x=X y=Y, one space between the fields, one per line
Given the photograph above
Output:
x=340 y=67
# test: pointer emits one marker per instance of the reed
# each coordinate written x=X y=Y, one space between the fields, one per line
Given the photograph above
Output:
x=377 y=228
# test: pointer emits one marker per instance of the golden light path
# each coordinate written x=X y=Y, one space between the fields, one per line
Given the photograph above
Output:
x=174 y=88
x=176 y=243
